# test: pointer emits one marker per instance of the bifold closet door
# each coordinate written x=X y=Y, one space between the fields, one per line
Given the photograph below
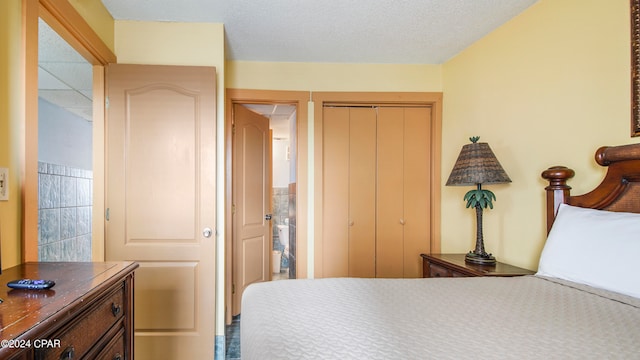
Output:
x=349 y=175
x=417 y=185
x=362 y=192
x=390 y=190
x=403 y=201
x=335 y=192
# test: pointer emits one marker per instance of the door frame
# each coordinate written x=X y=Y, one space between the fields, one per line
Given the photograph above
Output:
x=300 y=100
x=63 y=18
x=432 y=99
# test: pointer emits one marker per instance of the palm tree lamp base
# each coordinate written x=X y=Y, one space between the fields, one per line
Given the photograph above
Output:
x=480 y=259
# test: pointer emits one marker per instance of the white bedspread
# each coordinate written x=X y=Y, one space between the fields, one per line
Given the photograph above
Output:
x=439 y=318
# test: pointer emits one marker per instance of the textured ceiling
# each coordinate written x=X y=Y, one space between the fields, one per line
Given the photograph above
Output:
x=64 y=77
x=351 y=31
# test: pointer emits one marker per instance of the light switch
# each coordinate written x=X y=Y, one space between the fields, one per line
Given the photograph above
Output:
x=4 y=184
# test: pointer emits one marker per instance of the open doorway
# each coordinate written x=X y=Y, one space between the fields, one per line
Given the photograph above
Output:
x=261 y=219
x=296 y=189
x=62 y=17
x=282 y=126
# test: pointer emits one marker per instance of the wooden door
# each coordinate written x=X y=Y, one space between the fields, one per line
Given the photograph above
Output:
x=390 y=193
x=335 y=192
x=403 y=191
x=252 y=199
x=362 y=192
x=416 y=189
x=349 y=192
x=160 y=195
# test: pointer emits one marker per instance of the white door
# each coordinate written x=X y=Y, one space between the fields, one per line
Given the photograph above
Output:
x=251 y=233
x=161 y=202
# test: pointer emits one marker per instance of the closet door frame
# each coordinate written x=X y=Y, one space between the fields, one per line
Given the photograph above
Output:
x=431 y=99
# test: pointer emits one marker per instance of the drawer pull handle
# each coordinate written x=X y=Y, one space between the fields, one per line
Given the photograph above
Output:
x=115 y=309
x=68 y=353
x=117 y=357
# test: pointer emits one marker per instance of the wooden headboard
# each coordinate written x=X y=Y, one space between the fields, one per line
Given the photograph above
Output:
x=619 y=191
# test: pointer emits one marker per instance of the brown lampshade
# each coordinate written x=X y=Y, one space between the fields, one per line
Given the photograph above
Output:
x=477 y=164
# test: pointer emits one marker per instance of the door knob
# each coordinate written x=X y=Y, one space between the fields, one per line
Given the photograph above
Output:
x=207 y=232
x=267 y=217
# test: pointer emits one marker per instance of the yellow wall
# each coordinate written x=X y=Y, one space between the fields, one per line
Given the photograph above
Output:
x=548 y=88
x=169 y=43
x=333 y=77
x=11 y=116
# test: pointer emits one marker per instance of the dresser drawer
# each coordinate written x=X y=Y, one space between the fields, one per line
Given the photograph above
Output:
x=80 y=336
x=115 y=349
x=459 y=274
x=439 y=271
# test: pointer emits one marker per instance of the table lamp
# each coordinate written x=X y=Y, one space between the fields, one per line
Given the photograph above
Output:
x=477 y=165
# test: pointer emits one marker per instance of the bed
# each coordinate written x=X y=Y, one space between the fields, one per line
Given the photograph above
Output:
x=583 y=303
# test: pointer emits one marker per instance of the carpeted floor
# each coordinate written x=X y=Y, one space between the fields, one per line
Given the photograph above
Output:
x=232 y=337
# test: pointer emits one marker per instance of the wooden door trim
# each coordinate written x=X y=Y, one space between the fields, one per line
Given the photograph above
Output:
x=66 y=21
x=71 y=26
x=432 y=99
x=29 y=156
x=246 y=96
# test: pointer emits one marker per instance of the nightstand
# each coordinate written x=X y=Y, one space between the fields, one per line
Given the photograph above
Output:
x=453 y=265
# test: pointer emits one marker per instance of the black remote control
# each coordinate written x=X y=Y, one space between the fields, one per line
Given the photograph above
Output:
x=31 y=284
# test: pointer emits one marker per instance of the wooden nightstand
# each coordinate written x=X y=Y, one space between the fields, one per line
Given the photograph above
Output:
x=453 y=265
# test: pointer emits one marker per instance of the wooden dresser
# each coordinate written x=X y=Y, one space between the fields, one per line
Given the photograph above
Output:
x=88 y=314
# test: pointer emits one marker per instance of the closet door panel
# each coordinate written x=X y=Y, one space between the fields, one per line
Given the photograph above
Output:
x=390 y=216
x=362 y=192
x=416 y=188
x=335 y=192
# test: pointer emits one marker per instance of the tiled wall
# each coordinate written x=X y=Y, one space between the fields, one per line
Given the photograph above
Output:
x=280 y=207
x=280 y=212
x=284 y=207
x=64 y=213
x=292 y=231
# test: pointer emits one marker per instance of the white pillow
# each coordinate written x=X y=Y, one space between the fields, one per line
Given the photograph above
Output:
x=594 y=247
